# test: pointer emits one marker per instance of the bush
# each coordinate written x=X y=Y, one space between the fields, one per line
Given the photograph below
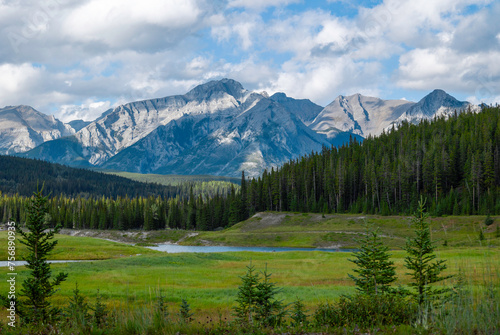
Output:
x=367 y=311
x=488 y=221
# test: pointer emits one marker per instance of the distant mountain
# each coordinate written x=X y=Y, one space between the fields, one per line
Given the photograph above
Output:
x=216 y=128
x=262 y=137
x=435 y=104
x=23 y=128
x=79 y=124
x=220 y=128
x=365 y=116
x=359 y=114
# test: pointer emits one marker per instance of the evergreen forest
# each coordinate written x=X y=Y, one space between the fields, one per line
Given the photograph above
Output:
x=454 y=163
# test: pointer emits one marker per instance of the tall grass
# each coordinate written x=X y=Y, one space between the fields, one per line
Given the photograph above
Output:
x=473 y=309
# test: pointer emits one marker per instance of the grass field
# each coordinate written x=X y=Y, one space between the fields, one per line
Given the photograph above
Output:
x=78 y=248
x=340 y=231
x=209 y=281
x=129 y=276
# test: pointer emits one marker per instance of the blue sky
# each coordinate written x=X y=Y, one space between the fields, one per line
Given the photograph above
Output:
x=75 y=58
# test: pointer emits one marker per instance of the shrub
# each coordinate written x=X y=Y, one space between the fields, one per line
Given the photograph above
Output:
x=488 y=221
x=367 y=311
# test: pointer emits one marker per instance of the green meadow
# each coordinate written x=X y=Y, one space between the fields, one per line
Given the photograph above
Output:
x=305 y=230
x=78 y=248
x=131 y=277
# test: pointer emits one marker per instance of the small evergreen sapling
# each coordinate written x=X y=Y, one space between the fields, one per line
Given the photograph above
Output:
x=375 y=271
x=78 y=309
x=100 y=312
x=256 y=300
x=247 y=296
x=185 y=312
x=420 y=261
x=298 y=314
x=269 y=311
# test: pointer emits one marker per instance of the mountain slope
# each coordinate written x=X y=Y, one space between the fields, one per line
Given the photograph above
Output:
x=23 y=128
x=23 y=176
x=125 y=125
x=264 y=136
x=435 y=104
x=359 y=114
x=216 y=128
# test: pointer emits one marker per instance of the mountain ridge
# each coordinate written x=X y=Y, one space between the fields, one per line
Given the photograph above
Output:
x=219 y=128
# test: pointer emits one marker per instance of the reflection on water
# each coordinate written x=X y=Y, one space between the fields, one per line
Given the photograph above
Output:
x=173 y=248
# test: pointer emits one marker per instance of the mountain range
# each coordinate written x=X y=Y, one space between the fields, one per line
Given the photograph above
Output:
x=217 y=128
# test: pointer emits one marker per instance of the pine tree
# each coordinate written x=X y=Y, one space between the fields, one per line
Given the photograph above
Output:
x=247 y=296
x=269 y=310
x=39 y=286
x=298 y=314
x=77 y=310
x=185 y=311
x=424 y=271
x=375 y=271
x=100 y=312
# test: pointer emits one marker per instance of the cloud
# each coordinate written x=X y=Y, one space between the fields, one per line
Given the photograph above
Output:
x=74 y=58
x=87 y=111
x=120 y=24
x=259 y=4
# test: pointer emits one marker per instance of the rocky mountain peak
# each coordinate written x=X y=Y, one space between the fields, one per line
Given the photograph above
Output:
x=215 y=88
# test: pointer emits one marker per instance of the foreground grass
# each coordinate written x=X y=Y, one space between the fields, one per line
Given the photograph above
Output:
x=209 y=281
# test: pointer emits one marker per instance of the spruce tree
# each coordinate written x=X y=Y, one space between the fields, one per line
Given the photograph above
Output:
x=247 y=296
x=185 y=311
x=269 y=310
x=375 y=271
x=420 y=260
x=35 y=307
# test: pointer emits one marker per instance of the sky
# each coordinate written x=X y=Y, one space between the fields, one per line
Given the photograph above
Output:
x=75 y=59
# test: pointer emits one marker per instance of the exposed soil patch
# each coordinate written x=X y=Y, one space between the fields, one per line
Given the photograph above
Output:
x=131 y=237
x=263 y=220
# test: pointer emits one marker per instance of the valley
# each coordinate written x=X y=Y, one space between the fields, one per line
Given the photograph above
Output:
x=129 y=278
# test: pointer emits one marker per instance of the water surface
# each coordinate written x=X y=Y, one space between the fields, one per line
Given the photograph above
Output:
x=174 y=248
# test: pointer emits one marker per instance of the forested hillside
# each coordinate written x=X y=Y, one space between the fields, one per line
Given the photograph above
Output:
x=454 y=163
x=21 y=176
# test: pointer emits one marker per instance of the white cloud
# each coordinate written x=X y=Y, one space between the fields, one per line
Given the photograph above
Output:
x=260 y=4
x=125 y=23
x=120 y=51
x=477 y=73
x=87 y=111
x=323 y=80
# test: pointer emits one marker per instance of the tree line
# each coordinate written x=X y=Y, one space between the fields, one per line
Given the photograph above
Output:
x=453 y=162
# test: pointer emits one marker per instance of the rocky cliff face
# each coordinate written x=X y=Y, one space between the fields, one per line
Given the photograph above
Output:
x=359 y=114
x=435 y=104
x=220 y=128
x=23 y=128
